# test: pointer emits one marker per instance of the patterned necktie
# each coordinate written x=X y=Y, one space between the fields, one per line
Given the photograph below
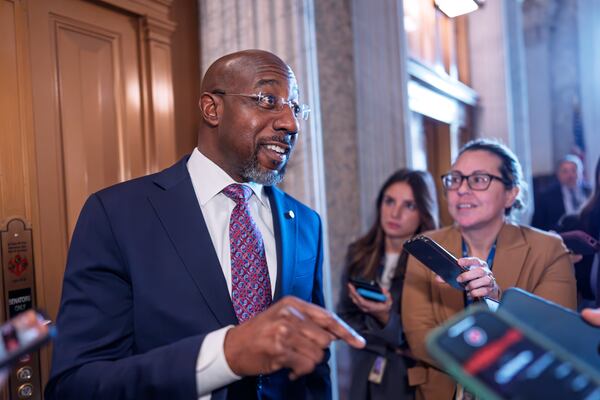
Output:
x=250 y=283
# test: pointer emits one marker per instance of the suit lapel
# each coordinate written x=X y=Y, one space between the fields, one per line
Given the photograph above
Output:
x=453 y=299
x=178 y=209
x=285 y=230
x=560 y=202
x=512 y=250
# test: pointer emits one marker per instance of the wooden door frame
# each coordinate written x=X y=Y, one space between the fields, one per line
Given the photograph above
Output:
x=154 y=41
x=156 y=29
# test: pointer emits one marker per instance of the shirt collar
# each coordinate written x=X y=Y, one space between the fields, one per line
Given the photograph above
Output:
x=209 y=179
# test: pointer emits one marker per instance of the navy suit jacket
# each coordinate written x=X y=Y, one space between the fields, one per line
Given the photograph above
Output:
x=550 y=207
x=143 y=286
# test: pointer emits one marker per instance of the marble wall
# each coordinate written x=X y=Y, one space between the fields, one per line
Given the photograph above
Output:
x=488 y=47
x=338 y=114
x=382 y=113
x=498 y=75
x=333 y=20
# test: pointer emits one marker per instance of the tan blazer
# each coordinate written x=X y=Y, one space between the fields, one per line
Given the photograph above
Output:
x=525 y=257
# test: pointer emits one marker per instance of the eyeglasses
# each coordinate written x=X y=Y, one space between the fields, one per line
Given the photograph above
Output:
x=271 y=102
x=478 y=181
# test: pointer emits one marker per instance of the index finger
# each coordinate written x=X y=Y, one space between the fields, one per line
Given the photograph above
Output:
x=474 y=273
x=332 y=323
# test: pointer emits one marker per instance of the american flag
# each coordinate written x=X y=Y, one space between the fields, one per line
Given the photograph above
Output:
x=578 y=136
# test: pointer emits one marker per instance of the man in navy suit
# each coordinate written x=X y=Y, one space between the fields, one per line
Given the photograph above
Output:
x=564 y=197
x=147 y=311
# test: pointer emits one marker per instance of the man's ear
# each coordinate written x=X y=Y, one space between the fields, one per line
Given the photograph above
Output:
x=210 y=108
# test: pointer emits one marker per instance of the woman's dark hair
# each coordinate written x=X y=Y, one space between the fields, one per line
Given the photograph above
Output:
x=365 y=254
x=510 y=168
x=590 y=213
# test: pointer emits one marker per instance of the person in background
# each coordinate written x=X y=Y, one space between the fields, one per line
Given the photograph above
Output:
x=406 y=205
x=564 y=197
x=483 y=189
x=204 y=280
x=587 y=269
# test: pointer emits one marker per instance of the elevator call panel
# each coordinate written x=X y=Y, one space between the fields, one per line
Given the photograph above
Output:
x=17 y=282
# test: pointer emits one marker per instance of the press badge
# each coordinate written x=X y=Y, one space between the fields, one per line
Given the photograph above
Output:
x=377 y=370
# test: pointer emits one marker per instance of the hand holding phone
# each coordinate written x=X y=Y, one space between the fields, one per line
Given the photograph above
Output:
x=448 y=268
x=22 y=335
x=436 y=258
x=478 y=279
x=370 y=290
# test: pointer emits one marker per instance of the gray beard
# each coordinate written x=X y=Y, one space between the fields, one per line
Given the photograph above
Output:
x=254 y=172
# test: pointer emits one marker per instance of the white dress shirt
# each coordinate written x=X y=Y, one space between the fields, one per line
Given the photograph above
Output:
x=389 y=269
x=568 y=193
x=208 y=179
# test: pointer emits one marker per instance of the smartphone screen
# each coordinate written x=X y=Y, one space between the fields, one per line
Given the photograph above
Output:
x=511 y=364
x=368 y=289
x=22 y=335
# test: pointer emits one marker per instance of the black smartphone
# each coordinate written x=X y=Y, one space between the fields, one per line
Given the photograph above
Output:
x=23 y=334
x=436 y=258
x=580 y=242
x=368 y=289
x=496 y=357
x=559 y=324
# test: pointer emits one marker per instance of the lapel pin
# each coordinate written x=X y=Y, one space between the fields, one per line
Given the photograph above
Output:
x=290 y=214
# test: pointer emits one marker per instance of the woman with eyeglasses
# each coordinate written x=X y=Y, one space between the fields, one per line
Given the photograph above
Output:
x=405 y=206
x=483 y=189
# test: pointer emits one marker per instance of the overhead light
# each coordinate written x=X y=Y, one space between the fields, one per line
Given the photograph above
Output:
x=454 y=8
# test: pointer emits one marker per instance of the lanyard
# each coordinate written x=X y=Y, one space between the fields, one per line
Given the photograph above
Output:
x=490 y=257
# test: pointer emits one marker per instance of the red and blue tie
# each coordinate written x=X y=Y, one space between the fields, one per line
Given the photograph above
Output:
x=250 y=283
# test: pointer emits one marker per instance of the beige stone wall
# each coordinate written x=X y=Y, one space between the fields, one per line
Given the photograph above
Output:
x=338 y=114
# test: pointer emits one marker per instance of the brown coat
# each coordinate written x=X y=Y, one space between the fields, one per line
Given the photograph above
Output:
x=525 y=257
